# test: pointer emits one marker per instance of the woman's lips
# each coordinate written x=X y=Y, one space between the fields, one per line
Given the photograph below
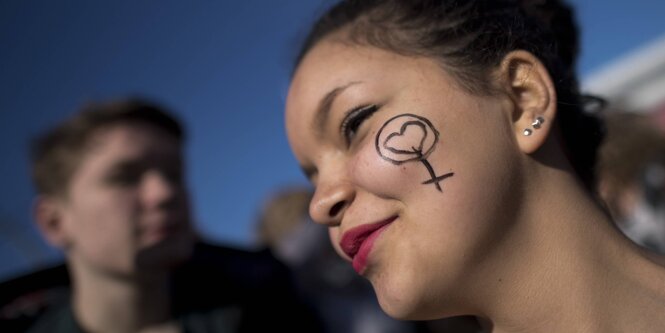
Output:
x=357 y=243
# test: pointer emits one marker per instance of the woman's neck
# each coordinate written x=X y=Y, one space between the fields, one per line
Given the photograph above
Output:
x=565 y=268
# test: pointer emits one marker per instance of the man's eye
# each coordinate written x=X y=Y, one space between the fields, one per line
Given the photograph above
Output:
x=354 y=119
x=124 y=178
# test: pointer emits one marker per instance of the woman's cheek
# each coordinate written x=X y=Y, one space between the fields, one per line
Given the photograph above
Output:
x=381 y=177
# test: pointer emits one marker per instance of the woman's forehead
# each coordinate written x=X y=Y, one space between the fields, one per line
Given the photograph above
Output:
x=332 y=64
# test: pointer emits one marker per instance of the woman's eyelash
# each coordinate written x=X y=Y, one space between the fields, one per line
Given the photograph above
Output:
x=354 y=118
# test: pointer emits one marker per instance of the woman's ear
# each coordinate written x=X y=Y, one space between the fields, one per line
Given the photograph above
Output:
x=47 y=214
x=529 y=85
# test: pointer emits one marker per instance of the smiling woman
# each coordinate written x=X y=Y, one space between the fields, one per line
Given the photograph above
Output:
x=500 y=222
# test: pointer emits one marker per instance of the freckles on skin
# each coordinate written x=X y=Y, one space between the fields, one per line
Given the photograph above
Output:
x=408 y=138
x=383 y=178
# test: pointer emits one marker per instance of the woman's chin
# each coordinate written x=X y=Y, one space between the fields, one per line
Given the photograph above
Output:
x=398 y=302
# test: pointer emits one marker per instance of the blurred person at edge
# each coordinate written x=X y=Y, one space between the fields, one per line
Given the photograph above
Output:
x=631 y=173
x=113 y=197
x=344 y=300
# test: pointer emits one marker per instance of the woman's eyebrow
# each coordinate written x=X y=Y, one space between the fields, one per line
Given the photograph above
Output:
x=323 y=111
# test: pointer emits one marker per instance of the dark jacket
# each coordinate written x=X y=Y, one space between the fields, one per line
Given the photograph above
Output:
x=219 y=289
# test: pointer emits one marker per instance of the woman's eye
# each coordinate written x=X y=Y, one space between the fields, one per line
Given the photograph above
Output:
x=354 y=119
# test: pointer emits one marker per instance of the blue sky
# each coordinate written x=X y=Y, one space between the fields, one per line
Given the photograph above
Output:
x=223 y=66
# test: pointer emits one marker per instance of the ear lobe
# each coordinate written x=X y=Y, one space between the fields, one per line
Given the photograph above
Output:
x=46 y=212
x=530 y=87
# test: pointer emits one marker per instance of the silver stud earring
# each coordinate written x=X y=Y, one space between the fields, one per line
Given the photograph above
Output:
x=527 y=132
x=538 y=122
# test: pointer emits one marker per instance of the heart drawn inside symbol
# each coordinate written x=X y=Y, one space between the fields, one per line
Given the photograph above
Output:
x=406 y=137
x=409 y=139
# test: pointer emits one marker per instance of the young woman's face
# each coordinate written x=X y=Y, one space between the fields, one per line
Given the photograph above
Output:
x=417 y=180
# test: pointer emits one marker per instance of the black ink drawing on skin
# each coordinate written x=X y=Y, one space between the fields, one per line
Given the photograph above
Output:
x=396 y=148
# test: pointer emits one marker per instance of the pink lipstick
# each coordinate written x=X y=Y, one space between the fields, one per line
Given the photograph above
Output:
x=357 y=243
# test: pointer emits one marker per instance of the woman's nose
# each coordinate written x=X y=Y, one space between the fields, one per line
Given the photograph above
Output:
x=330 y=201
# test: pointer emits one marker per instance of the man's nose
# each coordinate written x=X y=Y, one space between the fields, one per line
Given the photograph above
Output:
x=157 y=189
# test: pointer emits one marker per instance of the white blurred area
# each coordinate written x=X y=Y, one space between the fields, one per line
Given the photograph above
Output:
x=633 y=82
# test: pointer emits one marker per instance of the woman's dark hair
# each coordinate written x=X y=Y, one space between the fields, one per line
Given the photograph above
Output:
x=470 y=38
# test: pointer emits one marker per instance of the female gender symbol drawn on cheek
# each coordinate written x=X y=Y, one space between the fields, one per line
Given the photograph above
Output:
x=408 y=137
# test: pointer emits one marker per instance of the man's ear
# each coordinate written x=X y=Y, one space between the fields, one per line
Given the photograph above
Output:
x=47 y=212
x=529 y=85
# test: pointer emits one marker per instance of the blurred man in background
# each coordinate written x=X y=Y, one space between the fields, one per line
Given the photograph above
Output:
x=113 y=197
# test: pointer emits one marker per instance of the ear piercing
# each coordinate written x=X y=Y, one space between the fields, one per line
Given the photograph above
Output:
x=536 y=124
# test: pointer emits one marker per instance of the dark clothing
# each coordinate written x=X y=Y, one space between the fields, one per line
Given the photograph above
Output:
x=60 y=319
x=218 y=290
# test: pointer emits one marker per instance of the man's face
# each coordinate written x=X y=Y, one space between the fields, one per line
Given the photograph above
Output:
x=126 y=210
